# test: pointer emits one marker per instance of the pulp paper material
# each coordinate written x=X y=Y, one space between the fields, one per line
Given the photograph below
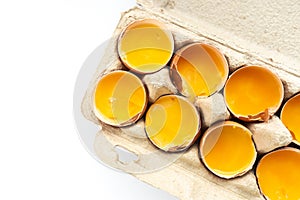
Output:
x=158 y=84
x=187 y=178
x=212 y=109
x=183 y=36
x=270 y=135
x=268 y=29
x=183 y=175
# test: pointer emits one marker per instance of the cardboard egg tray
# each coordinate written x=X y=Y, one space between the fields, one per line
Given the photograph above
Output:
x=247 y=34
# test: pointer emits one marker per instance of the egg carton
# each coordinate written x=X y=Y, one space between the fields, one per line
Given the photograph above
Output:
x=247 y=33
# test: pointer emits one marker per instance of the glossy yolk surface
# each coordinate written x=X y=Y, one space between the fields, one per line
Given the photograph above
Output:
x=171 y=122
x=228 y=150
x=203 y=70
x=290 y=116
x=252 y=90
x=278 y=174
x=119 y=97
x=146 y=47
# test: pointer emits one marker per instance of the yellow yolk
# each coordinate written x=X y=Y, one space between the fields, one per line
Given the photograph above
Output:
x=172 y=123
x=146 y=46
x=252 y=90
x=202 y=68
x=278 y=174
x=227 y=149
x=119 y=98
x=290 y=116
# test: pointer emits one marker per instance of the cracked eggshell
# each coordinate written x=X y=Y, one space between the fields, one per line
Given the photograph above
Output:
x=172 y=123
x=290 y=115
x=158 y=84
x=199 y=70
x=278 y=174
x=253 y=93
x=219 y=153
x=270 y=135
x=145 y=46
x=213 y=109
x=188 y=181
x=120 y=98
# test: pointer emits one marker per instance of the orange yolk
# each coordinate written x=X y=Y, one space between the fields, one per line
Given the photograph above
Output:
x=119 y=98
x=146 y=46
x=228 y=150
x=172 y=123
x=252 y=90
x=278 y=174
x=202 y=69
x=290 y=116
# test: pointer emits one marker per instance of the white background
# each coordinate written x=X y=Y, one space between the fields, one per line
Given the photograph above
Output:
x=42 y=47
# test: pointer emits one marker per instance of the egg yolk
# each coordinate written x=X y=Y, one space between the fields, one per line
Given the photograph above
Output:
x=290 y=116
x=172 y=123
x=146 y=46
x=228 y=150
x=252 y=90
x=119 y=98
x=278 y=174
x=202 y=69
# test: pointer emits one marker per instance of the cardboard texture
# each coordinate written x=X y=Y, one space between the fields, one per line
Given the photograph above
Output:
x=248 y=33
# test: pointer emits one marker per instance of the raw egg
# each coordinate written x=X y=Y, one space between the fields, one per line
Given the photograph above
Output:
x=120 y=98
x=172 y=123
x=278 y=174
x=145 y=46
x=199 y=70
x=227 y=149
x=290 y=116
x=253 y=93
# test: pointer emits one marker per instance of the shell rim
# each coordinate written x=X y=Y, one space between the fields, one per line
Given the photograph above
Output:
x=178 y=54
x=196 y=135
x=222 y=124
x=129 y=121
x=271 y=111
x=151 y=21
x=281 y=112
x=268 y=154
